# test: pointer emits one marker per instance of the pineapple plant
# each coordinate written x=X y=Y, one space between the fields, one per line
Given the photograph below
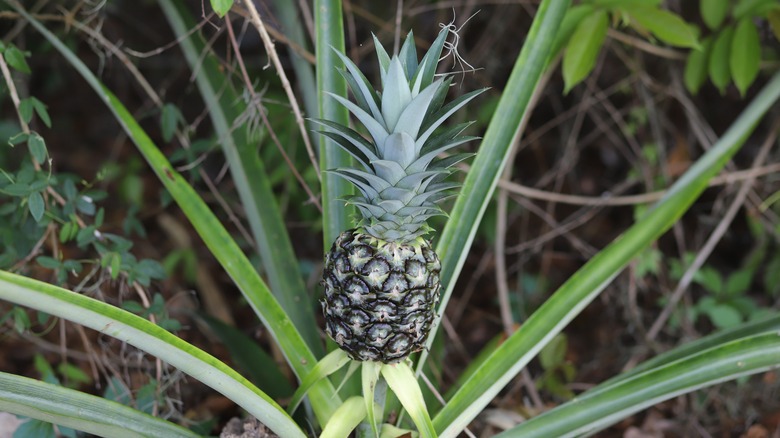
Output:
x=381 y=279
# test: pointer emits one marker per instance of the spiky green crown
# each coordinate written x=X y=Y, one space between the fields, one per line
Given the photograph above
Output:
x=402 y=179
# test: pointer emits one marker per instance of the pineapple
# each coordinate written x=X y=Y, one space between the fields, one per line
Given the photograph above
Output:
x=382 y=279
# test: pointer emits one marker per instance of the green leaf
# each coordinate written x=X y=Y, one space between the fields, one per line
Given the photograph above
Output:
x=665 y=25
x=774 y=21
x=697 y=66
x=136 y=331
x=738 y=282
x=580 y=289
x=48 y=262
x=713 y=12
x=554 y=353
x=221 y=7
x=17 y=189
x=583 y=49
x=608 y=403
x=745 y=54
x=67 y=407
x=345 y=419
x=724 y=316
x=719 y=63
x=36 y=205
x=37 y=147
x=571 y=20
x=772 y=276
x=370 y=377
x=752 y=8
x=400 y=378
x=33 y=428
x=26 y=109
x=41 y=110
x=169 y=120
x=251 y=179
x=15 y=58
x=249 y=356
x=73 y=374
x=326 y=366
x=611 y=4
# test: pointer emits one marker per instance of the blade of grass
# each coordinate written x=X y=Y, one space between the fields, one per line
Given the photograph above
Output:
x=150 y=338
x=249 y=175
x=506 y=361
x=215 y=236
x=77 y=410
x=600 y=408
x=329 y=26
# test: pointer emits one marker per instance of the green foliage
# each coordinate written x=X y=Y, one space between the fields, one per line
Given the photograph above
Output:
x=729 y=50
x=733 y=49
x=78 y=222
x=558 y=372
x=583 y=48
x=221 y=7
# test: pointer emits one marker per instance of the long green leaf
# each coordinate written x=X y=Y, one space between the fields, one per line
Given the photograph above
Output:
x=598 y=409
x=329 y=26
x=150 y=338
x=506 y=361
x=77 y=410
x=215 y=236
x=400 y=378
x=458 y=234
x=718 y=338
x=249 y=175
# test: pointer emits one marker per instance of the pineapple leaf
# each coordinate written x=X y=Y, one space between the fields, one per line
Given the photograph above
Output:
x=446 y=162
x=431 y=60
x=389 y=171
x=396 y=95
x=382 y=57
x=400 y=194
x=376 y=182
x=401 y=380
x=413 y=181
x=399 y=147
x=359 y=97
x=439 y=138
x=444 y=113
x=345 y=419
x=362 y=185
x=370 y=377
x=328 y=365
x=424 y=161
x=362 y=84
x=412 y=116
x=353 y=137
x=375 y=127
x=438 y=101
x=345 y=144
x=370 y=210
x=408 y=56
x=391 y=205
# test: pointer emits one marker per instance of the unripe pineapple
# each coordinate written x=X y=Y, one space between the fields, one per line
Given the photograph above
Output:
x=382 y=279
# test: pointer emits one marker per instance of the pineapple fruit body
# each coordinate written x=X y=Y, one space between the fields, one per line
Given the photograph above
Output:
x=380 y=296
x=382 y=279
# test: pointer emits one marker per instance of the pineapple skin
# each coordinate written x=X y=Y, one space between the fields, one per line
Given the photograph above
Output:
x=380 y=296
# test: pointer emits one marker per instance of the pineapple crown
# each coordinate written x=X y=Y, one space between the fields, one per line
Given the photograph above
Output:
x=402 y=175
